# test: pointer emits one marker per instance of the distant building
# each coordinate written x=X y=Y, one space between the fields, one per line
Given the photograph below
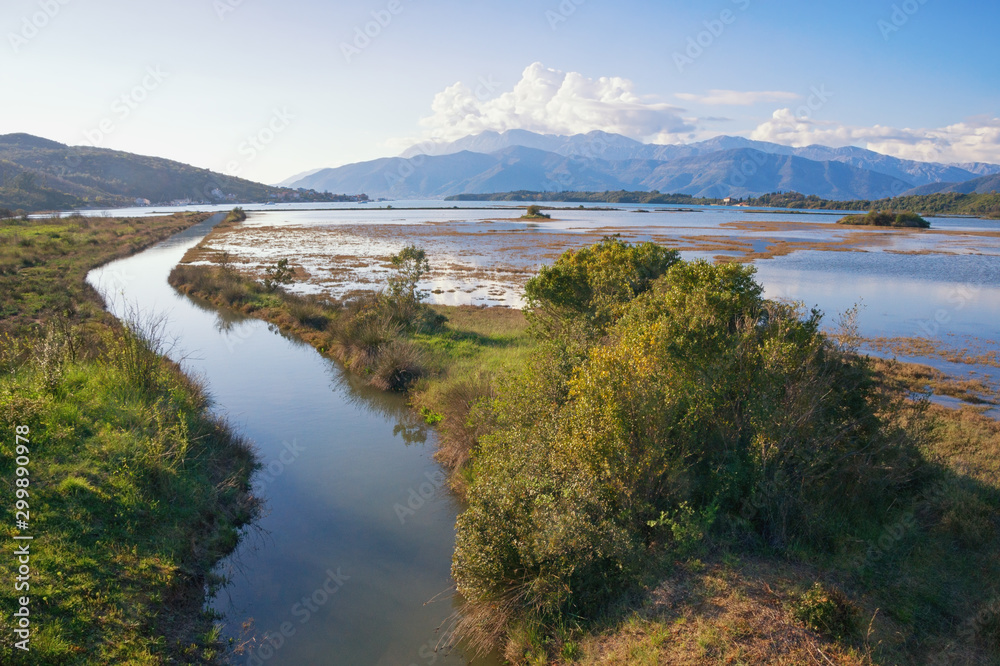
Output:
x=727 y=200
x=141 y=202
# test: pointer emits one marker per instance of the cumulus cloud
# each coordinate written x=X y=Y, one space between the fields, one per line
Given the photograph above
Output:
x=550 y=101
x=737 y=97
x=973 y=140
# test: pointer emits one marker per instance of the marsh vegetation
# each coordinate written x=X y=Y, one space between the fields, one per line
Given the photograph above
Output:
x=652 y=438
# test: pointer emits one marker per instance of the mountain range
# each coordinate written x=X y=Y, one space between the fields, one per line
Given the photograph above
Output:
x=982 y=185
x=39 y=174
x=720 y=167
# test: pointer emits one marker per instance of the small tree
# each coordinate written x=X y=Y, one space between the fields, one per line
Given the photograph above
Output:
x=277 y=275
x=535 y=211
x=411 y=265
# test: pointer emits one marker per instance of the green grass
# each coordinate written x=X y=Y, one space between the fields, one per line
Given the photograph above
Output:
x=44 y=262
x=134 y=495
x=474 y=340
x=136 y=492
x=448 y=357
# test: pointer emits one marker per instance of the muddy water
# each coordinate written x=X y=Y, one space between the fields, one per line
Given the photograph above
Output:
x=350 y=564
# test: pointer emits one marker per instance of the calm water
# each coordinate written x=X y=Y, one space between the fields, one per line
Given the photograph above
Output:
x=358 y=533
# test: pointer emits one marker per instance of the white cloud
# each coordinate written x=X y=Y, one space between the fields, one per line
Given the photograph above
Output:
x=550 y=101
x=974 y=140
x=738 y=98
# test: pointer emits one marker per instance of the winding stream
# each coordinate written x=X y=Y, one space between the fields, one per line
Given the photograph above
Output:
x=350 y=563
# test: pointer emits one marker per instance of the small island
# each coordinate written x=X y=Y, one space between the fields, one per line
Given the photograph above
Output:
x=535 y=213
x=904 y=220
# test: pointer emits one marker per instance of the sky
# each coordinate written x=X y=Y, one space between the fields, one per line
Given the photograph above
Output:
x=266 y=89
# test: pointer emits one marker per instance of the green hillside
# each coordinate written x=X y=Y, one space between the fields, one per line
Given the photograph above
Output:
x=950 y=203
x=945 y=203
x=38 y=174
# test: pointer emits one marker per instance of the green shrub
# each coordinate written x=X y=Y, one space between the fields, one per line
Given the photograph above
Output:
x=577 y=298
x=411 y=265
x=278 y=275
x=827 y=611
x=698 y=393
x=535 y=212
x=887 y=219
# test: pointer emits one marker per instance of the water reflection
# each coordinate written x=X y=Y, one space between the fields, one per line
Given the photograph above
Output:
x=332 y=573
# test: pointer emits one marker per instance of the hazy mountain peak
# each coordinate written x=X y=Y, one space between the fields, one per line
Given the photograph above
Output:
x=598 y=160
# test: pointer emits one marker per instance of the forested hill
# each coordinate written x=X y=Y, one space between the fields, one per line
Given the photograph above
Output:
x=38 y=174
x=945 y=203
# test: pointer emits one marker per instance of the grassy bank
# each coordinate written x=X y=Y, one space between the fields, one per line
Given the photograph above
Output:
x=135 y=491
x=448 y=358
x=664 y=467
x=44 y=262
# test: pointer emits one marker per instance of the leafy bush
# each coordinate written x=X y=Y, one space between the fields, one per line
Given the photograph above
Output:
x=535 y=212
x=578 y=297
x=369 y=333
x=697 y=393
x=887 y=219
x=827 y=611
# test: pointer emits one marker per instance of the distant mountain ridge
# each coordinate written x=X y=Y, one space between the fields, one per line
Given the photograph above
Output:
x=983 y=185
x=719 y=167
x=607 y=146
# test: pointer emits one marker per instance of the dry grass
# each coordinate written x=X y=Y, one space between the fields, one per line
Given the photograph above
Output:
x=929 y=348
x=732 y=612
x=919 y=378
x=930 y=596
x=44 y=262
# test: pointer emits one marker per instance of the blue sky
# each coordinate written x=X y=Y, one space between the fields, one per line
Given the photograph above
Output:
x=195 y=80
